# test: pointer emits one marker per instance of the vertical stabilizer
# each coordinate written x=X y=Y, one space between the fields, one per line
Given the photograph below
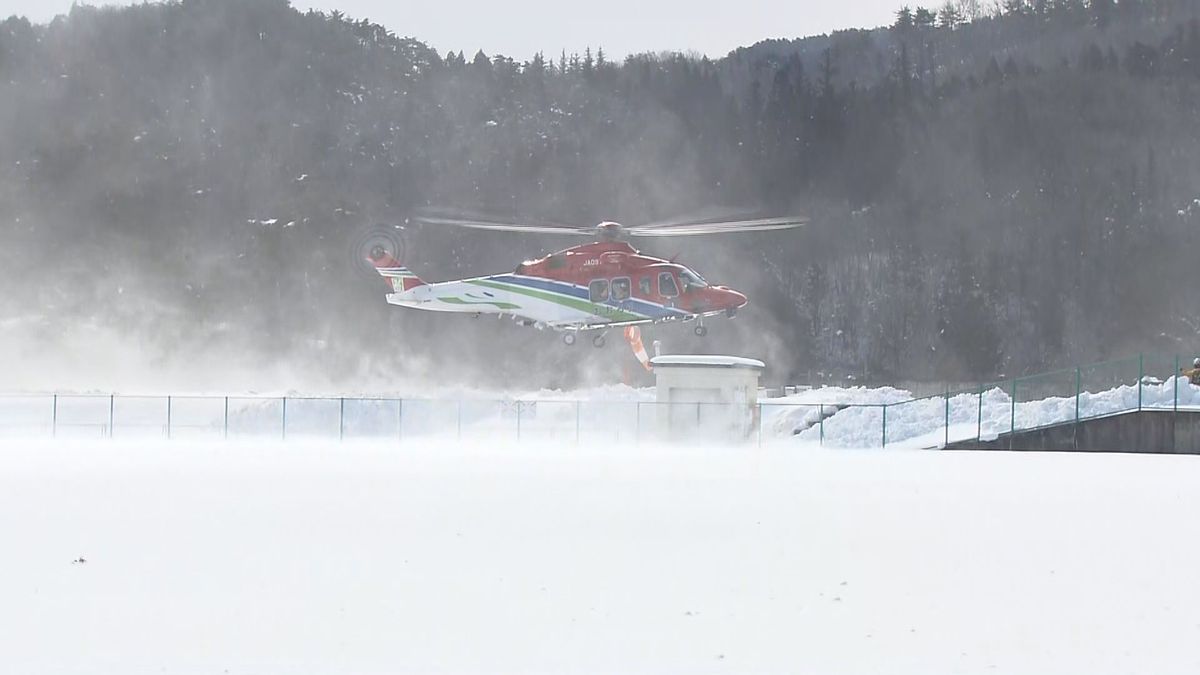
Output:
x=400 y=277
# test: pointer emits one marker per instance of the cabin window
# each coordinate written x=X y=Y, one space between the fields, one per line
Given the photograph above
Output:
x=620 y=289
x=598 y=290
x=666 y=285
x=644 y=286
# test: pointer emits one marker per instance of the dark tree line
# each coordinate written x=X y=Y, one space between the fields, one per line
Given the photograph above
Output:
x=990 y=193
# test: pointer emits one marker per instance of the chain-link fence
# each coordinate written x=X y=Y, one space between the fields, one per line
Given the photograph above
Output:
x=1143 y=382
x=378 y=419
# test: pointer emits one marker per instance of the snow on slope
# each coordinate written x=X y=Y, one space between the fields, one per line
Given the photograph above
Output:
x=340 y=559
x=788 y=415
x=922 y=423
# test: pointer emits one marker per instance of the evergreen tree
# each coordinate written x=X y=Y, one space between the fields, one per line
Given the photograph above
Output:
x=950 y=16
x=924 y=19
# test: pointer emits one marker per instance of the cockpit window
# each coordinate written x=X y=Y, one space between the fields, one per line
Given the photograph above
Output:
x=692 y=280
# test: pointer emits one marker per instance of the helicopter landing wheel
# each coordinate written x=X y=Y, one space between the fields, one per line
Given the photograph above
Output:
x=569 y=339
x=598 y=341
x=701 y=330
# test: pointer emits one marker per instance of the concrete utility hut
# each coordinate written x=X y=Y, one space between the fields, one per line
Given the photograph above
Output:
x=706 y=396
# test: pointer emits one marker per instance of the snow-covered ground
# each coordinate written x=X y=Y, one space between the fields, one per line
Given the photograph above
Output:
x=274 y=558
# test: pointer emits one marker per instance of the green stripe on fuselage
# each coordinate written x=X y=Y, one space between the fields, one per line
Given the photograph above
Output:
x=451 y=300
x=606 y=311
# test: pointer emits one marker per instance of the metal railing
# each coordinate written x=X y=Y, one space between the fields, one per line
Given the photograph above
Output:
x=1143 y=382
x=398 y=420
x=1069 y=396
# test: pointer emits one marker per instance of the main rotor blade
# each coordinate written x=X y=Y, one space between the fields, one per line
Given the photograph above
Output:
x=709 y=214
x=720 y=227
x=485 y=222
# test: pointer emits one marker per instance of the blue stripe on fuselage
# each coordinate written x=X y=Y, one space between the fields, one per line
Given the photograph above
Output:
x=651 y=309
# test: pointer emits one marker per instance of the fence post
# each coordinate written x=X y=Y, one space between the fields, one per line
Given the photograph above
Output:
x=111 y=406
x=399 y=421
x=1141 y=374
x=226 y=433
x=979 y=427
x=1079 y=387
x=54 y=415
x=1012 y=421
x=1175 y=407
x=884 y=426
x=283 y=421
x=342 y=418
x=947 y=441
x=637 y=421
x=168 y=418
x=821 y=423
x=759 y=425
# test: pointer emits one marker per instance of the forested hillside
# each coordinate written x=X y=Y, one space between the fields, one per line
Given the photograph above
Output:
x=990 y=193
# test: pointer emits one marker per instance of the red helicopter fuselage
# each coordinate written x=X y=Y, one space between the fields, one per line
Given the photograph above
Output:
x=615 y=272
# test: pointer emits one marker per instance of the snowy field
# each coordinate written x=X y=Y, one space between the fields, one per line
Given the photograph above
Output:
x=273 y=558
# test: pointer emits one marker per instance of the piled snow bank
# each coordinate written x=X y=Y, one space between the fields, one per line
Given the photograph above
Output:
x=508 y=558
x=922 y=422
x=789 y=415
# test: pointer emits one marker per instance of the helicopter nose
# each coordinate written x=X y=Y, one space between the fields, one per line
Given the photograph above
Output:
x=731 y=299
x=739 y=300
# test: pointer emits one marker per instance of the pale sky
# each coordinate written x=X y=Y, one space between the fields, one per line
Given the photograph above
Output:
x=519 y=29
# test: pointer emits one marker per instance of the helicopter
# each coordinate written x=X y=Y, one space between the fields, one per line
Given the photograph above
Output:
x=592 y=287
